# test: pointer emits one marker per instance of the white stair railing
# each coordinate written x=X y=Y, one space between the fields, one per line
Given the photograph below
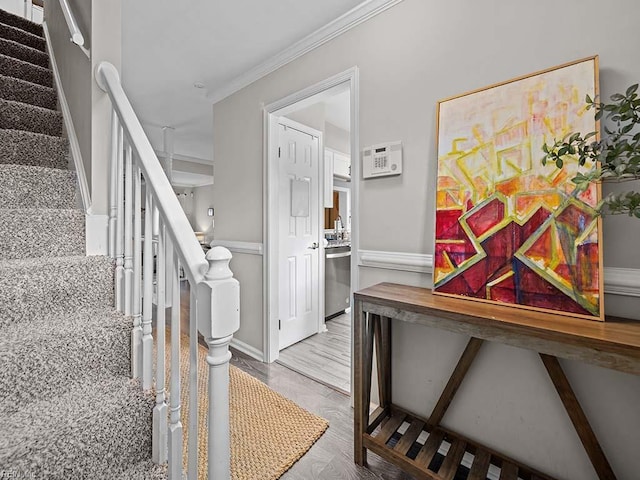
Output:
x=168 y=241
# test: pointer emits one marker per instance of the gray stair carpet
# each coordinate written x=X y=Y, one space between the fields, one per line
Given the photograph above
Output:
x=19 y=147
x=22 y=52
x=36 y=187
x=16 y=21
x=24 y=116
x=20 y=90
x=71 y=410
x=14 y=67
x=22 y=36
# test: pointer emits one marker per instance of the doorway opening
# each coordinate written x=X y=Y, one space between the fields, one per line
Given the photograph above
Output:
x=311 y=230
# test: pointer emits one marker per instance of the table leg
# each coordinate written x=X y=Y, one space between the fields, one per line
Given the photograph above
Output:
x=359 y=425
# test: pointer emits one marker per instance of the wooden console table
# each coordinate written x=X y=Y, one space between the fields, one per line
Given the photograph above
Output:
x=613 y=344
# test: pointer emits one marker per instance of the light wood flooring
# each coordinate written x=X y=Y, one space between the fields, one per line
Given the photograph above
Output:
x=324 y=357
x=331 y=457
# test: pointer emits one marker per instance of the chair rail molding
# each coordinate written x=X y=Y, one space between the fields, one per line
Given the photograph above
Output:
x=408 y=262
x=235 y=246
x=617 y=281
x=340 y=25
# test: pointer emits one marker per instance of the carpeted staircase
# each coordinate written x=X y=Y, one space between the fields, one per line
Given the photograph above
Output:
x=69 y=407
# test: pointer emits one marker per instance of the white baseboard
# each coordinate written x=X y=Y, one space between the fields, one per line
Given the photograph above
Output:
x=617 y=281
x=74 y=146
x=97 y=234
x=247 y=349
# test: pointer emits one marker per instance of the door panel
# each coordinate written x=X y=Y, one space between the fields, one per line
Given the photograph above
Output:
x=299 y=236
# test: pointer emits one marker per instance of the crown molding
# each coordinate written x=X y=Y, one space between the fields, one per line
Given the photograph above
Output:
x=340 y=25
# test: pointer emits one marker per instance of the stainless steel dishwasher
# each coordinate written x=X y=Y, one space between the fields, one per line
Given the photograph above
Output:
x=337 y=280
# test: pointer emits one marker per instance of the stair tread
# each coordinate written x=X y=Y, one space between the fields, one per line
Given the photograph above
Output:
x=17 y=50
x=95 y=430
x=53 y=286
x=9 y=18
x=41 y=232
x=14 y=67
x=19 y=35
x=19 y=147
x=31 y=118
x=146 y=470
x=24 y=91
x=36 y=187
x=99 y=337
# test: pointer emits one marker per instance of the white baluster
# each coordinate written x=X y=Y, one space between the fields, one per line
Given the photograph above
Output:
x=128 y=223
x=147 y=313
x=119 y=274
x=136 y=335
x=218 y=319
x=193 y=384
x=113 y=181
x=159 y=439
x=175 y=425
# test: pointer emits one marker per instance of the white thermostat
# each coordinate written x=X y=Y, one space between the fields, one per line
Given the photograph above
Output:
x=382 y=160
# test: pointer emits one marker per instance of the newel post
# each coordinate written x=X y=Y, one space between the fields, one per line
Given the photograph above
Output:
x=218 y=319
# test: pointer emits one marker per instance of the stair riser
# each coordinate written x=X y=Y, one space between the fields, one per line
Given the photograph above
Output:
x=36 y=187
x=12 y=67
x=34 y=288
x=17 y=35
x=19 y=22
x=73 y=441
x=32 y=233
x=26 y=92
x=26 y=148
x=22 y=52
x=101 y=347
x=22 y=116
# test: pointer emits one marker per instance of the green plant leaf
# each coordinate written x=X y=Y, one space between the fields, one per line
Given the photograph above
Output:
x=631 y=90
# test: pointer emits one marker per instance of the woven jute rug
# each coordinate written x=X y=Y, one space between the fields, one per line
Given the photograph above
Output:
x=269 y=432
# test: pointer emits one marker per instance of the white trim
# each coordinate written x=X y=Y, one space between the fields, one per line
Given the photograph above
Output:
x=617 y=281
x=74 y=146
x=270 y=231
x=235 y=246
x=622 y=281
x=97 y=234
x=408 y=262
x=342 y=24
x=183 y=158
x=247 y=349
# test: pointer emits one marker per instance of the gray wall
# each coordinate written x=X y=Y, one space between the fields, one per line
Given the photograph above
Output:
x=75 y=70
x=432 y=50
x=90 y=107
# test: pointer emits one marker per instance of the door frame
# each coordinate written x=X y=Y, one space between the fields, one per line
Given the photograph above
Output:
x=270 y=282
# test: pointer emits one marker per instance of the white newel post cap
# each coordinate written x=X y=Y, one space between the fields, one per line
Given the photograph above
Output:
x=218 y=297
x=218 y=258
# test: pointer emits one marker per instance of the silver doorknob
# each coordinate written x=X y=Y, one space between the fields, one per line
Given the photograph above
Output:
x=314 y=246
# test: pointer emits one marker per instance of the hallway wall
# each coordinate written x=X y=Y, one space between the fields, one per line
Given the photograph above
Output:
x=428 y=51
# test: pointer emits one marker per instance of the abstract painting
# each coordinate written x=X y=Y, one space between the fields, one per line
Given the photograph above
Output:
x=508 y=229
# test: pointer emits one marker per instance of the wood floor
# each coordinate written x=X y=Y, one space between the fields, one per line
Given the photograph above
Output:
x=331 y=457
x=325 y=357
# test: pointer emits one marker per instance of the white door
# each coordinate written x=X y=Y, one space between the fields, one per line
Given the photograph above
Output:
x=299 y=233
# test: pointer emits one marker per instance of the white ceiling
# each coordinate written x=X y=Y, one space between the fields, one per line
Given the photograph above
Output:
x=167 y=46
